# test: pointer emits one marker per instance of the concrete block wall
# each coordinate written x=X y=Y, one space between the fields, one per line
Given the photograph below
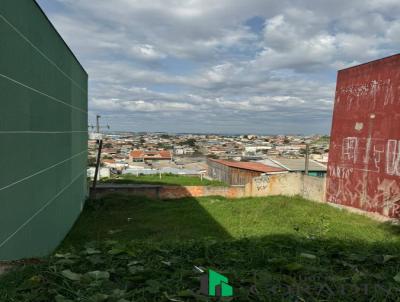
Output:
x=288 y=184
x=314 y=188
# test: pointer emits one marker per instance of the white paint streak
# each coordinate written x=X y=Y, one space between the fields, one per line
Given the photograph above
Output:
x=393 y=157
x=350 y=149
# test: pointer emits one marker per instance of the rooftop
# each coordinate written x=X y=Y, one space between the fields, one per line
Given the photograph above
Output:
x=293 y=164
x=253 y=166
x=151 y=154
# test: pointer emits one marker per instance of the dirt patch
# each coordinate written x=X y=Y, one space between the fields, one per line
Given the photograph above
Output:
x=5 y=267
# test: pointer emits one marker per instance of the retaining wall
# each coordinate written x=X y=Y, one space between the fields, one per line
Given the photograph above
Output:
x=169 y=192
x=289 y=184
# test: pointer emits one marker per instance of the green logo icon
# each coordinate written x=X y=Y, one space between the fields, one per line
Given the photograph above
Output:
x=214 y=284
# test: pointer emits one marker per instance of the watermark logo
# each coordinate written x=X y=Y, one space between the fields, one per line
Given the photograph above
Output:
x=214 y=284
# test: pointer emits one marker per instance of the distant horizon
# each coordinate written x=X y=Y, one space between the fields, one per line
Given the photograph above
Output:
x=209 y=133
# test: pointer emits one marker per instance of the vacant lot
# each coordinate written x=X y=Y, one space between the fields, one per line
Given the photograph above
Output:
x=166 y=179
x=272 y=249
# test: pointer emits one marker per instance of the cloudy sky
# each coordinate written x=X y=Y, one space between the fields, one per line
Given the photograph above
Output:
x=226 y=66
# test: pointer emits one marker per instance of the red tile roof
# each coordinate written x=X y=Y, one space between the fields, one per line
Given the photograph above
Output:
x=109 y=161
x=249 y=166
x=136 y=154
x=151 y=154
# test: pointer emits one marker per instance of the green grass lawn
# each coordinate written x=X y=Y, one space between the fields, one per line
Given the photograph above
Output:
x=166 y=179
x=272 y=249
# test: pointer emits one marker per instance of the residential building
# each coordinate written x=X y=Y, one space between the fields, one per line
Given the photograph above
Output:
x=296 y=165
x=149 y=156
x=239 y=173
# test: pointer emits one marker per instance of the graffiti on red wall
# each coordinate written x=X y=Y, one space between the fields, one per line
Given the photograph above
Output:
x=364 y=159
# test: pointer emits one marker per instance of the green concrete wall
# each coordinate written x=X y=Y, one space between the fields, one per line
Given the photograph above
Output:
x=43 y=133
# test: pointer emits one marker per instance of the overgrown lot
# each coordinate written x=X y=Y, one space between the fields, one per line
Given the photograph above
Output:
x=166 y=179
x=272 y=249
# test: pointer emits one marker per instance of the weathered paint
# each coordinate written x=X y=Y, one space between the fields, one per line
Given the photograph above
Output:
x=364 y=158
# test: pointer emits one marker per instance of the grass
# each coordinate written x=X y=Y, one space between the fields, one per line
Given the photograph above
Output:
x=272 y=249
x=166 y=179
x=138 y=218
x=325 y=139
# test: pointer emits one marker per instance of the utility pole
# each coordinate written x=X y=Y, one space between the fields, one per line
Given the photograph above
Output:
x=306 y=166
x=307 y=159
x=98 y=123
x=96 y=173
x=100 y=143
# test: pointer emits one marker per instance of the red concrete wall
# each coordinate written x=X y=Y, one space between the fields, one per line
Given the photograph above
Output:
x=364 y=158
x=170 y=192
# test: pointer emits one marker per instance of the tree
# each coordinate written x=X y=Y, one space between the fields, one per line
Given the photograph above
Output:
x=164 y=146
x=91 y=161
x=190 y=142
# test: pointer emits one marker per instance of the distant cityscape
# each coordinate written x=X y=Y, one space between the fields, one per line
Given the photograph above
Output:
x=187 y=154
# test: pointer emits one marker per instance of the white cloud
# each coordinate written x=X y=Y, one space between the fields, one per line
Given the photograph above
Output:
x=146 y=52
x=183 y=65
x=393 y=32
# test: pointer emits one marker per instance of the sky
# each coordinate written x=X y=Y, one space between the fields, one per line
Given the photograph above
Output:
x=226 y=66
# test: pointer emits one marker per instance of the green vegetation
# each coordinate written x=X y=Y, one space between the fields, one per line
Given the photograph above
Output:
x=221 y=218
x=189 y=142
x=272 y=249
x=165 y=146
x=166 y=179
x=322 y=140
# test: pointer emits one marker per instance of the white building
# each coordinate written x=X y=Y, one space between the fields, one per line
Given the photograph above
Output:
x=183 y=150
x=103 y=173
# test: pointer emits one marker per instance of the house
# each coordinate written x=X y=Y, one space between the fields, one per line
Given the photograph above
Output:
x=321 y=158
x=239 y=173
x=102 y=173
x=108 y=162
x=183 y=150
x=111 y=163
x=149 y=156
x=296 y=165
